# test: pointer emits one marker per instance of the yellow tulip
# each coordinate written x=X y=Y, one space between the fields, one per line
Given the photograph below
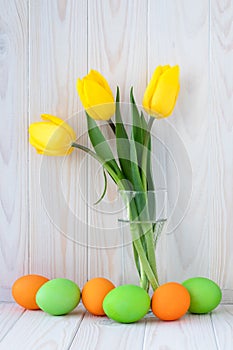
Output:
x=96 y=96
x=53 y=137
x=162 y=91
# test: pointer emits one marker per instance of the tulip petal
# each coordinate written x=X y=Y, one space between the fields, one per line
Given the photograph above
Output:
x=52 y=118
x=164 y=98
x=80 y=89
x=95 y=93
x=164 y=68
x=34 y=143
x=94 y=75
x=49 y=138
x=41 y=133
x=53 y=153
x=101 y=103
x=151 y=87
x=96 y=96
x=102 y=111
x=60 y=122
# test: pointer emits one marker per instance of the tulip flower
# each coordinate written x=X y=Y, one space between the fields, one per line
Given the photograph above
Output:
x=53 y=137
x=96 y=96
x=162 y=91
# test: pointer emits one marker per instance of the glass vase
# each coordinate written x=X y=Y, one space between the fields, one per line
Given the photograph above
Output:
x=142 y=220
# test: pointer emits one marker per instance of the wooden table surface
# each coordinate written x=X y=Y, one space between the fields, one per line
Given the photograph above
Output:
x=32 y=330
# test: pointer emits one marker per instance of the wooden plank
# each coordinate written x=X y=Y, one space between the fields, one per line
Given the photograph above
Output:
x=38 y=330
x=35 y=329
x=179 y=34
x=221 y=143
x=9 y=315
x=222 y=319
x=102 y=333
x=190 y=332
x=58 y=55
x=13 y=143
x=117 y=48
x=227 y=296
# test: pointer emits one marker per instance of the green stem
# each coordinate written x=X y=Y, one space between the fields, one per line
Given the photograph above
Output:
x=146 y=267
x=148 y=228
x=149 y=236
x=143 y=258
x=146 y=271
x=144 y=283
x=112 y=125
x=103 y=162
x=144 y=153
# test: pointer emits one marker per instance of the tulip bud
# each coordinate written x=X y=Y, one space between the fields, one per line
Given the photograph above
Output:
x=96 y=96
x=53 y=137
x=162 y=92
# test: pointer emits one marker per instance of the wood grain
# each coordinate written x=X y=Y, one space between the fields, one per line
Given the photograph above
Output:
x=37 y=330
x=10 y=313
x=46 y=331
x=222 y=319
x=58 y=55
x=48 y=223
x=221 y=142
x=102 y=333
x=117 y=47
x=190 y=332
x=179 y=34
x=13 y=143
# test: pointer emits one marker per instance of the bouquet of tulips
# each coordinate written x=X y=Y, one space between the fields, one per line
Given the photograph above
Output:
x=131 y=168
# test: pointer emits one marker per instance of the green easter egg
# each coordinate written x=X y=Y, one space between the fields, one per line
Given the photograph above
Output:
x=205 y=294
x=126 y=304
x=58 y=296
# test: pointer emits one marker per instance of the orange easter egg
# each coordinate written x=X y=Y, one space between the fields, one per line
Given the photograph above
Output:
x=25 y=288
x=93 y=294
x=170 y=301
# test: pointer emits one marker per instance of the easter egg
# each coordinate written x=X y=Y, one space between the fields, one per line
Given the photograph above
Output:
x=93 y=294
x=170 y=301
x=58 y=296
x=126 y=304
x=205 y=294
x=25 y=288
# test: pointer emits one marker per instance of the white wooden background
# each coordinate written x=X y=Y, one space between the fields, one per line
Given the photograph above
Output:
x=44 y=46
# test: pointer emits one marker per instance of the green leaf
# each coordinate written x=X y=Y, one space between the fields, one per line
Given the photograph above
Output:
x=150 y=183
x=137 y=124
x=122 y=141
x=105 y=164
x=139 y=149
x=136 y=143
x=144 y=126
x=137 y=130
x=101 y=146
x=136 y=176
x=136 y=259
x=105 y=189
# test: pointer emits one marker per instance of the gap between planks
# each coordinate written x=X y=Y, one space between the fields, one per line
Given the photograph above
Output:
x=79 y=330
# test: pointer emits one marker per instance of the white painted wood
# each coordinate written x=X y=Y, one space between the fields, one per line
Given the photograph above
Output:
x=117 y=47
x=79 y=330
x=38 y=330
x=221 y=142
x=13 y=143
x=124 y=40
x=9 y=315
x=222 y=319
x=103 y=333
x=58 y=55
x=190 y=332
x=179 y=34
